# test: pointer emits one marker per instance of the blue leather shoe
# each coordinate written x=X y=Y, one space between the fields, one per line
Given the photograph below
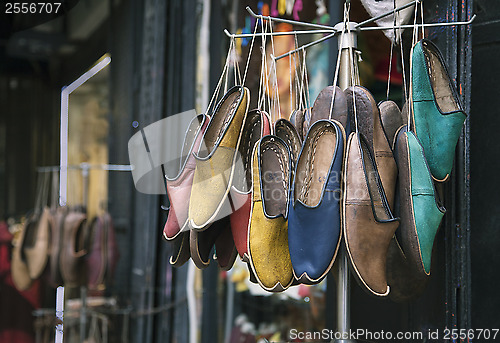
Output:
x=314 y=211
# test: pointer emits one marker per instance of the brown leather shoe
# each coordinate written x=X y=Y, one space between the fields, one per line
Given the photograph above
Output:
x=56 y=246
x=180 y=249
x=287 y=132
x=36 y=243
x=370 y=127
x=19 y=268
x=323 y=104
x=392 y=120
x=367 y=218
x=73 y=252
x=103 y=252
x=202 y=242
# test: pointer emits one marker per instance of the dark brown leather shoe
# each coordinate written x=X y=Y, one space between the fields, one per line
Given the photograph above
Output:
x=73 y=252
x=287 y=132
x=180 y=249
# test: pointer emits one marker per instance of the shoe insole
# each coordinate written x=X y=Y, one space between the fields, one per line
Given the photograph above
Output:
x=440 y=81
x=275 y=174
x=220 y=120
x=313 y=171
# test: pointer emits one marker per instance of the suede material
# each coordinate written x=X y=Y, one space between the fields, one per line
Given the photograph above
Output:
x=426 y=212
x=367 y=239
x=314 y=231
x=214 y=171
x=269 y=256
x=437 y=131
x=179 y=188
x=420 y=215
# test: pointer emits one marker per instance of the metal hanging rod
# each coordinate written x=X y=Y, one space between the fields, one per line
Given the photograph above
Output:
x=318 y=27
x=87 y=166
x=303 y=47
x=457 y=23
x=284 y=33
x=326 y=27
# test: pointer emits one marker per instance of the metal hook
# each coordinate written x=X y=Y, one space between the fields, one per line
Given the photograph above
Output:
x=303 y=47
x=457 y=23
x=288 y=21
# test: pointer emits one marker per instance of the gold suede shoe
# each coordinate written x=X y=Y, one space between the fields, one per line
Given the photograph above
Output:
x=217 y=159
x=269 y=256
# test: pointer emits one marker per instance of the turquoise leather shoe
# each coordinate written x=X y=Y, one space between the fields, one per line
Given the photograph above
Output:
x=420 y=212
x=438 y=117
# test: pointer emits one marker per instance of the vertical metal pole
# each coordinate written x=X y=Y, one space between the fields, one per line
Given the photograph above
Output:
x=347 y=45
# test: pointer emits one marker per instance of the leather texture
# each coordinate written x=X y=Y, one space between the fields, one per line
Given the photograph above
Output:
x=314 y=229
x=180 y=249
x=256 y=126
x=392 y=120
x=323 y=104
x=56 y=246
x=370 y=127
x=405 y=283
x=288 y=133
x=438 y=116
x=420 y=213
x=19 y=269
x=269 y=256
x=297 y=119
x=202 y=242
x=73 y=250
x=368 y=222
x=37 y=243
x=179 y=186
x=214 y=169
x=103 y=252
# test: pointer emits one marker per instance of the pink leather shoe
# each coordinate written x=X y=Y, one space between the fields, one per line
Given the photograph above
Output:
x=179 y=187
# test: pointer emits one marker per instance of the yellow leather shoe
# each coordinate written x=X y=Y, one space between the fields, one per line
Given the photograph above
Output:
x=217 y=160
x=269 y=256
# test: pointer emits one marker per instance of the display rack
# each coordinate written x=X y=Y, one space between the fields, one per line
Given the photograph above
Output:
x=347 y=47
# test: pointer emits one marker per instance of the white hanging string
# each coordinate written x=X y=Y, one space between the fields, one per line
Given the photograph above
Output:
x=337 y=67
x=250 y=51
x=219 y=83
x=390 y=56
x=306 y=77
x=353 y=70
x=263 y=66
x=276 y=101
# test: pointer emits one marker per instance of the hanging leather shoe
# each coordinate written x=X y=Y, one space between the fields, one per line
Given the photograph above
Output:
x=180 y=249
x=269 y=256
x=215 y=164
x=314 y=218
x=369 y=224
x=437 y=115
x=323 y=104
x=179 y=186
x=370 y=127
x=287 y=132
x=419 y=210
x=256 y=126
x=74 y=250
x=37 y=243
